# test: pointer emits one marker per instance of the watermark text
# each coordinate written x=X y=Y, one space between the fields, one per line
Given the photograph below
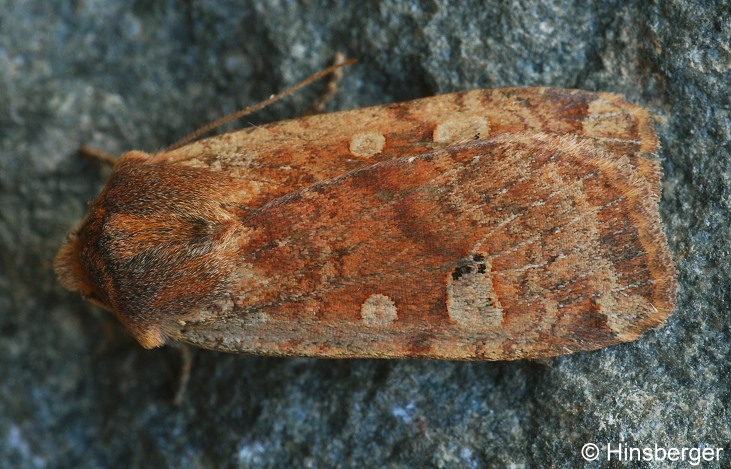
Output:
x=627 y=453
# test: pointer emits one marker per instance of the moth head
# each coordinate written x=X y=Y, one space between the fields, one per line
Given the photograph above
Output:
x=73 y=276
x=157 y=245
x=79 y=267
x=78 y=264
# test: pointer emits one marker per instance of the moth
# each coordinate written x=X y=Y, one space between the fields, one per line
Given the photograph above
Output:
x=479 y=225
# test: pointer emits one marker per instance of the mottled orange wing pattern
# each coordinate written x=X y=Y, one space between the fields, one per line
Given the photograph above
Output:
x=491 y=224
x=284 y=156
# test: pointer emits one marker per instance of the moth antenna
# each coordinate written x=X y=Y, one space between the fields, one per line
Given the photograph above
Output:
x=255 y=107
x=100 y=156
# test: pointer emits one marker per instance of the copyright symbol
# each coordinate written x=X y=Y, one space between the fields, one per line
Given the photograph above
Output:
x=590 y=452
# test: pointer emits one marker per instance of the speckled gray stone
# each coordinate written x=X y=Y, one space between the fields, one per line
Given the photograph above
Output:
x=77 y=391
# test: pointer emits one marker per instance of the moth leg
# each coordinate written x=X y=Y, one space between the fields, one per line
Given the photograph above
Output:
x=318 y=107
x=186 y=365
x=100 y=156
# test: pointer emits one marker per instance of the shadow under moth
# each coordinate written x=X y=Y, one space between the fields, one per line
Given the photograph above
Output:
x=479 y=225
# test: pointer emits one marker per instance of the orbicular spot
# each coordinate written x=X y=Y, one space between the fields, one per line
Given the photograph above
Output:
x=460 y=129
x=378 y=311
x=367 y=144
x=471 y=298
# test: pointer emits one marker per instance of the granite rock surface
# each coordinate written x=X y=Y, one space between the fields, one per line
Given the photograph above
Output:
x=77 y=391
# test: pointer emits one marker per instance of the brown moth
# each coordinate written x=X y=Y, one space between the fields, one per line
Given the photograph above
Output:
x=487 y=225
